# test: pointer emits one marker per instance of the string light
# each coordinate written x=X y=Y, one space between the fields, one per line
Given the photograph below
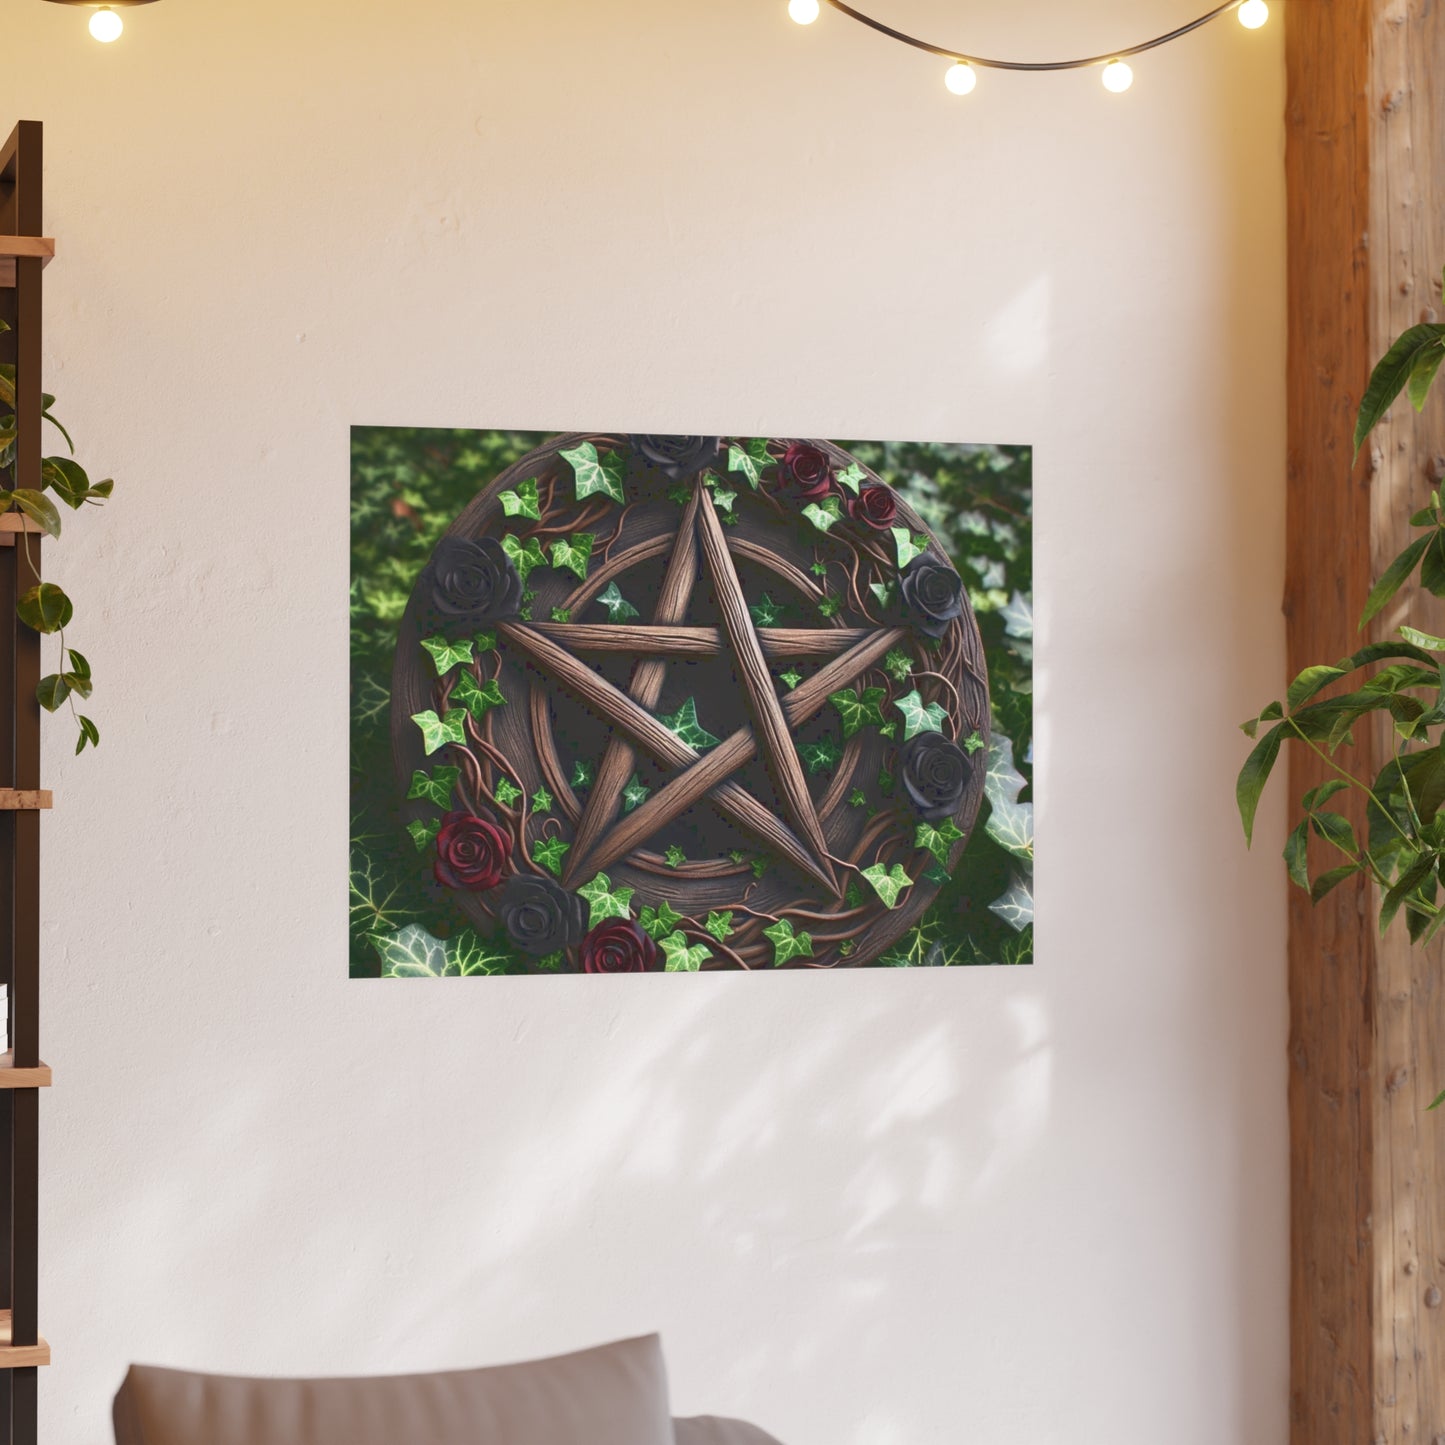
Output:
x=960 y=77
x=106 y=25
x=962 y=74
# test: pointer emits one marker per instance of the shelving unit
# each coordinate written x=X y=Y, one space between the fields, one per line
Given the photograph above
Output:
x=24 y=253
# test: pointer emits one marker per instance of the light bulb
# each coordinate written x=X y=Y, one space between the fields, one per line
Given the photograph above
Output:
x=960 y=78
x=106 y=25
x=803 y=11
x=1117 y=77
x=1253 y=14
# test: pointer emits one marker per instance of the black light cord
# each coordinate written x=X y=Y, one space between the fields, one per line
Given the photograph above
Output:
x=984 y=64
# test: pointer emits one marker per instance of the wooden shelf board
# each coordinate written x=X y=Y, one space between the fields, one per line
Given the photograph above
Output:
x=25 y=800
x=20 y=1357
x=12 y=522
x=15 y=247
x=13 y=1078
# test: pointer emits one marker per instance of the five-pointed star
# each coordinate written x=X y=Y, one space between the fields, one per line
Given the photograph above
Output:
x=602 y=837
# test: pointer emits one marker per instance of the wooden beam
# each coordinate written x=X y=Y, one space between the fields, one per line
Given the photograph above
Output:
x=1365 y=164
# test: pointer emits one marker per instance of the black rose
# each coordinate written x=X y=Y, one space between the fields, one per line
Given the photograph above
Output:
x=933 y=592
x=935 y=774
x=678 y=457
x=473 y=582
x=541 y=916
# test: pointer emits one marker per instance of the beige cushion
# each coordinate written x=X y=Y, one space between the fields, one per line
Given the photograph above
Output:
x=615 y=1395
x=706 y=1430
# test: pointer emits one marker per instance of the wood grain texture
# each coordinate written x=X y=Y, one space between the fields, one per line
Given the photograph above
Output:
x=12 y=1078
x=779 y=643
x=19 y=1357
x=1365 y=170
x=774 y=737
x=25 y=800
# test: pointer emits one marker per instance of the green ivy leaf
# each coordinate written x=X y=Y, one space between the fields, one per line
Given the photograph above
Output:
x=447 y=655
x=723 y=499
x=437 y=732
x=898 y=665
x=917 y=718
x=561 y=614
x=523 y=502
x=423 y=831
x=1011 y=826
x=830 y=606
x=471 y=957
x=766 y=612
x=853 y=895
x=606 y=902
x=759 y=867
x=596 y=474
x=660 y=921
x=738 y=856
x=908 y=545
x=680 y=958
x=684 y=726
x=525 y=557
x=885 y=780
x=938 y=839
x=1016 y=907
x=821 y=756
x=619 y=609
x=888 y=885
x=1003 y=782
x=634 y=795
x=720 y=925
x=681 y=494
x=857 y=798
x=411 y=952
x=857 y=712
x=825 y=513
x=478 y=698
x=45 y=608
x=786 y=943
x=436 y=787
x=884 y=592
x=852 y=476
x=506 y=792
x=574 y=553
x=890 y=730
x=750 y=461
x=549 y=853
x=675 y=857
x=819 y=569
x=791 y=678
x=583 y=774
x=542 y=801
x=486 y=642
x=972 y=743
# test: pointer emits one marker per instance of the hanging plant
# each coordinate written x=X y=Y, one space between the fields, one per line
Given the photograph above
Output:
x=44 y=606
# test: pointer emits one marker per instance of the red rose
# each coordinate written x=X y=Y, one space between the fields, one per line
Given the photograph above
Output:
x=471 y=852
x=618 y=945
x=805 y=472
x=876 y=505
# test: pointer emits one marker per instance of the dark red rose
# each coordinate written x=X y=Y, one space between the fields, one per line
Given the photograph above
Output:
x=805 y=472
x=876 y=505
x=471 y=852
x=618 y=945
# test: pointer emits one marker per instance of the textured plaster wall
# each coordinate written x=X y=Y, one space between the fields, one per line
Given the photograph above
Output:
x=1030 y=1207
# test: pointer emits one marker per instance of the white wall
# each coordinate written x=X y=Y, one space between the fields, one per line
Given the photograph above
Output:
x=1030 y=1207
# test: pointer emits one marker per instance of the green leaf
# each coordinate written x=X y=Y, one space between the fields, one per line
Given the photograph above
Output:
x=684 y=726
x=1018 y=617
x=447 y=655
x=857 y=798
x=938 y=839
x=1439 y=1099
x=750 y=461
x=619 y=609
x=675 y=857
x=549 y=853
x=80 y=686
x=1309 y=682
x=38 y=507
x=478 y=698
x=1422 y=374
x=819 y=569
x=89 y=733
x=605 y=901
x=786 y=943
x=898 y=664
x=435 y=787
x=1391 y=374
x=52 y=691
x=766 y=613
x=1011 y=826
x=411 y=952
x=759 y=867
x=791 y=678
x=738 y=856
x=908 y=545
x=78 y=665
x=45 y=608
x=720 y=925
x=659 y=921
x=917 y=718
x=506 y=792
x=486 y=642
x=1016 y=906
x=1296 y=851
x=1394 y=576
x=582 y=774
x=423 y=831
x=972 y=743
x=542 y=801
x=681 y=494
x=1408 y=881
x=830 y=606
x=680 y=958
x=1337 y=830
x=1424 y=640
x=574 y=553
x=888 y=885
x=525 y=557
x=823 y=514
x=561 y=614
x=821 y=756
x=1254 y=775
x=68 y=480
x=1331 y=880
x=634 y=795
x=860 y=712
x=885 y=780
x=852 y=476
x=437 y=732
x=723 y=499
x=596 y=474
x=884 y=592
x=1316 y=797
x=523 y=502
x=471 y=957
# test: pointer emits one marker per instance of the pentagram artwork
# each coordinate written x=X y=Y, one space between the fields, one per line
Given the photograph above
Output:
x=682 y=704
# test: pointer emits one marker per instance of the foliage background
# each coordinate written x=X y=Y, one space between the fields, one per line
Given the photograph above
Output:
x=407 y=486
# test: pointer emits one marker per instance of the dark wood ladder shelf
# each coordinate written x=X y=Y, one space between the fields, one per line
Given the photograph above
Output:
x=24 y=252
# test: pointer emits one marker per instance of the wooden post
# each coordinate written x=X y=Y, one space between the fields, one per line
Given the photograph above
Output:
x=1365 y=160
